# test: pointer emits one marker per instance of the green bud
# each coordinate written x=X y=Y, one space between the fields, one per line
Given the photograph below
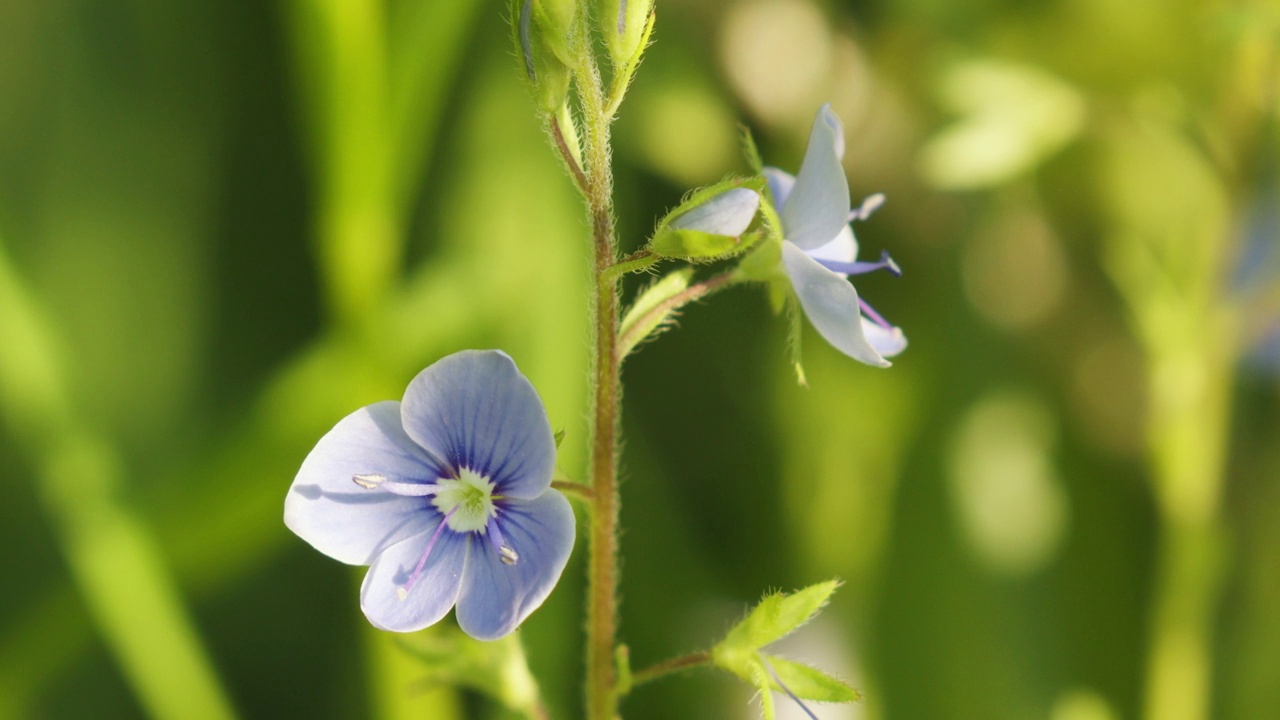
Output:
x=541 y=48
x=710 y=224
x=625 y=25
x=556 y=19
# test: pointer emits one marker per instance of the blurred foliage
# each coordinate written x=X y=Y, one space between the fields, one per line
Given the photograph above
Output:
x=223 y=226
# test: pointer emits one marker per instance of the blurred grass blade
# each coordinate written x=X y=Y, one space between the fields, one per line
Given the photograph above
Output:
x=114 y=559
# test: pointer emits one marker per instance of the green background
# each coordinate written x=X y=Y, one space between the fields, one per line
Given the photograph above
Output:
x=225 y=225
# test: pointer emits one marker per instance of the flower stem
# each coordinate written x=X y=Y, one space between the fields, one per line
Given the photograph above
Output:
x=575 y=489
x=667 y=667
x=638 y=260
x=602 y=574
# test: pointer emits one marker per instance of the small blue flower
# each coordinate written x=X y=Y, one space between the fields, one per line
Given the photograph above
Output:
x=446 y=496
x=819 y=248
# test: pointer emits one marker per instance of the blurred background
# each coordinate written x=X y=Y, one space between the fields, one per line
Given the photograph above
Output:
x=225 y=225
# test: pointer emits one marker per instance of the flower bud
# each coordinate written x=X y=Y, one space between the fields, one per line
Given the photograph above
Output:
x=625 y=27
x=541 y=33
x=708 y=225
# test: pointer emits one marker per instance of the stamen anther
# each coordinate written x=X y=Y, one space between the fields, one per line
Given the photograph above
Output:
x=369 y=482
x=508 y=555
x=869 y=205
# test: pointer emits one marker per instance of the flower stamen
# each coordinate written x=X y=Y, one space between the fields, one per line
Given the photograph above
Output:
x=506 y=553
x=874 y=316
x=861 y=268
x=373 y=481
x=403 y=591
x=869 y=205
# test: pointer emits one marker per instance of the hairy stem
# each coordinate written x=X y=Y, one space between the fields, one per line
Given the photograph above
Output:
x=667 y=667
x=638 y=260
x=602 y=574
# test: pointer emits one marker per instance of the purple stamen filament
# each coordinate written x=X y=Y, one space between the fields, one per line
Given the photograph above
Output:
x=862 y=268
x=875 y=316
x=403 y=592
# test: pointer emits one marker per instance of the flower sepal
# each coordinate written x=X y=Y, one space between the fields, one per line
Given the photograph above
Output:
x=775 y=617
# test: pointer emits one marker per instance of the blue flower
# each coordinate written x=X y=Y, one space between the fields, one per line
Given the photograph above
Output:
x=446 y=496
x=819 y=250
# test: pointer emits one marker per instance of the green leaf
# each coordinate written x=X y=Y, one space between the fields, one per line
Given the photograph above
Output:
x=560 y=437
x=775 y=617
x=646 y=316
x=810 y=683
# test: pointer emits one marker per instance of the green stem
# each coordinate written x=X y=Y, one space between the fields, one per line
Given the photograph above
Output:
x=602 y=575
x=638 y=260
x=667 y=667
x=574 y=489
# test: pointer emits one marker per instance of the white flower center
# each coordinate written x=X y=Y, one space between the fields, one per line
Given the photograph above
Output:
x=469 y=498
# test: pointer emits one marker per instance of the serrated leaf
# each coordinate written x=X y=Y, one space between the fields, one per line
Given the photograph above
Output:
x=645 y=318
x=810 y=683
x=775 y=617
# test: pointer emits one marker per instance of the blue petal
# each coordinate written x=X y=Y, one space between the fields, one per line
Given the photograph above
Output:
x=888 y=342
x=818 y=206
x=476 y=410
x=496 y=597
x=728 y=213
x=844 y=248
x=434 y=591
x=780 y=184
x=831 y=304
x=341 y=519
